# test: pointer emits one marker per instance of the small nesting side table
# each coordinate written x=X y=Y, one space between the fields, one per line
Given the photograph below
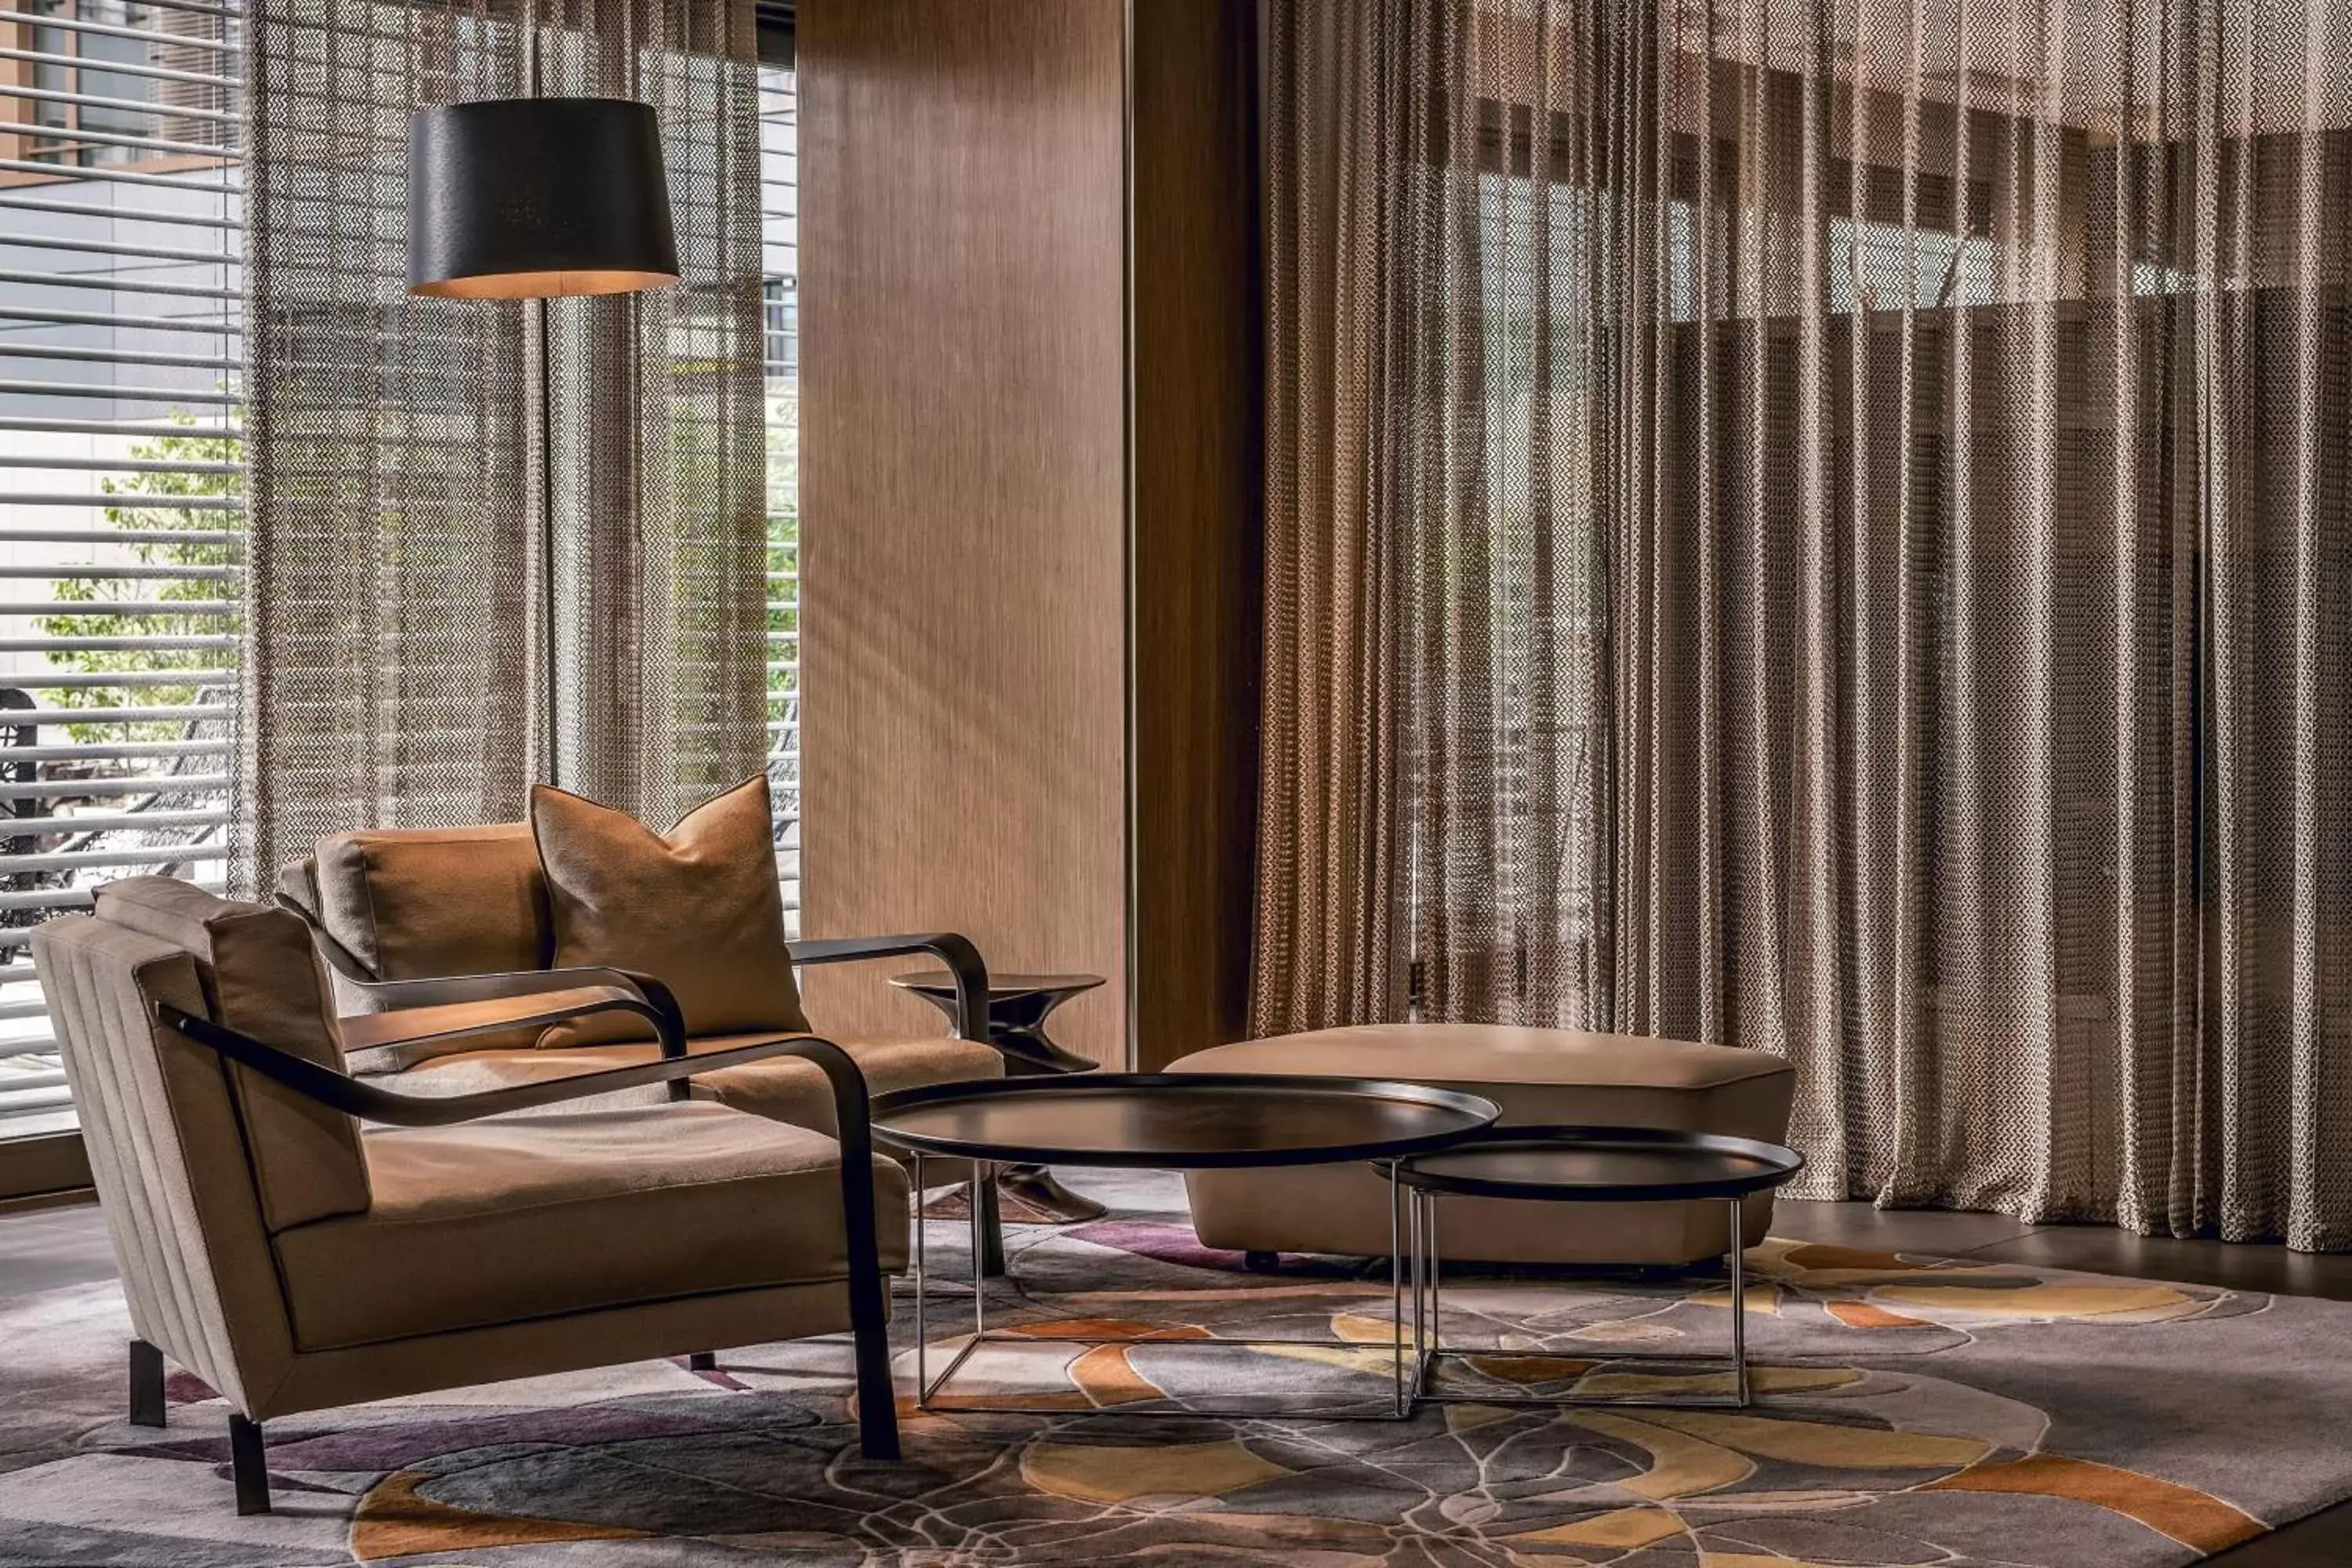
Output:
x=1566 y=1165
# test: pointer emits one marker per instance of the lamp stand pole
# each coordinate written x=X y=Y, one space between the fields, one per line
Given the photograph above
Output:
x=542 y=413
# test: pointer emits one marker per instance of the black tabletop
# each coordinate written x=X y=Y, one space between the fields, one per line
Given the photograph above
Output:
x=939 y=981
x=1178 y=1120
x=1601 y=1164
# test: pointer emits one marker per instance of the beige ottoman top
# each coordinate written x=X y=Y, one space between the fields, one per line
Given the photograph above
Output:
x=1491 y=1054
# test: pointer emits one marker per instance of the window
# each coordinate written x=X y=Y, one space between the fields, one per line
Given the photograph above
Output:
x=121 y=504
x=120 y=494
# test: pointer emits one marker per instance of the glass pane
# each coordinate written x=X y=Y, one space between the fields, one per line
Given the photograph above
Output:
x=120 y=492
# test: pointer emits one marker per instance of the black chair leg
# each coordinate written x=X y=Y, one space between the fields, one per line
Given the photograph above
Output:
x=869 y=1327
x=146 y=1384
x=991 y=1232
x=869 y=1301
x=703 y=1361
x=246 y=1462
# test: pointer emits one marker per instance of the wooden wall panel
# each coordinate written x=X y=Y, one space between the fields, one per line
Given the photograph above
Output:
x=962 y=479
x=1197 y=536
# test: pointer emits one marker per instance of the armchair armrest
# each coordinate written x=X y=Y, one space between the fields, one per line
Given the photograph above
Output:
x=450 y=990
x=961 y=958
x=456 y=1020
x=353 y=1096
x=478 y=1004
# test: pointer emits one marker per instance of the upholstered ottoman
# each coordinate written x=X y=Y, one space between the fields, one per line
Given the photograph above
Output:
x=1536 y=1076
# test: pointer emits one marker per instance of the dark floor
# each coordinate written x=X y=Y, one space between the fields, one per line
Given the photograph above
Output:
x=44 y=1248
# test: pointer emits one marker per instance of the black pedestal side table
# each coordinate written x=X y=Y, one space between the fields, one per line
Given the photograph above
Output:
x=1018 y=1006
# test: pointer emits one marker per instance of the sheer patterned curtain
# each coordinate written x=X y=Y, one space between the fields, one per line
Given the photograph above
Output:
x=659 y=531
x=1870 y=488
x=1331 y=939
x=494 y=541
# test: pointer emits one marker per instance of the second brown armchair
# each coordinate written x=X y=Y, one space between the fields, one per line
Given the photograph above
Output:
x=456 y=921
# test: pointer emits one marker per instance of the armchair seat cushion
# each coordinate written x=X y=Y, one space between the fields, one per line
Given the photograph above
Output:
x=789 y=1090
x=783 y=1088
x=495 y=1221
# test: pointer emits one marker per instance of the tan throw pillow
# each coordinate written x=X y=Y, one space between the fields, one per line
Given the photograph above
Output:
x=697 y=909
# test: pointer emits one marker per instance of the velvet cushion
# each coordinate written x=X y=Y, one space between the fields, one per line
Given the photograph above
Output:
x=502 y=1221
x=419 y=903
x=698 y=908
x=261 y=977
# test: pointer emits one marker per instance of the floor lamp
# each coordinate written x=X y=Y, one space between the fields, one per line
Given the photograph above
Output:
x=539 y=198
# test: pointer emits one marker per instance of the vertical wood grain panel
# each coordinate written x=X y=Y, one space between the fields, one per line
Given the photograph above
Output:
x=962 y=490
x=1197 y=526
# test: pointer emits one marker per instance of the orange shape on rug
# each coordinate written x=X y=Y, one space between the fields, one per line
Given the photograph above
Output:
x=394 y=1519
x=1109 y=1329
x=1863 y=1315
x=1626 y=1529
x=1106 y=1377
x=2054 y=1300
x=1119 y=1473
x=2192 y=1518
x=1531 y=1369
x=1822 y=1254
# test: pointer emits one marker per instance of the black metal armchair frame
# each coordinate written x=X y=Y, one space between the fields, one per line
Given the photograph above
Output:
x=868 y=1300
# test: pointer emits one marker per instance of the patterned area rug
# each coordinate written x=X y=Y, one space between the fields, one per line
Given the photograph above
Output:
x=1917 y=1411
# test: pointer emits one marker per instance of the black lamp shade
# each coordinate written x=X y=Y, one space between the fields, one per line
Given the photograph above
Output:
x=529 y=198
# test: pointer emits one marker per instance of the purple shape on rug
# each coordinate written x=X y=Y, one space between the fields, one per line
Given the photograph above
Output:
x=397 y=1445
x=187 y=1388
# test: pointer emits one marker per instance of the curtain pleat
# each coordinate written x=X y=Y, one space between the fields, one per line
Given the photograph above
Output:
x=659 y=536
x=1871 y=527
x=494 y=541
x=393 y=627
x=1333 y=949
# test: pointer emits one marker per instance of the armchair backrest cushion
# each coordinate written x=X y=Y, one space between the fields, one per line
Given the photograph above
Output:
x=699 y=908
x=425 y=904
x=165 y=1149
x=261 y=976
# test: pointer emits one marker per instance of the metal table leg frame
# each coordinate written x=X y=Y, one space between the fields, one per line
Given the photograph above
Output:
x=1430 y=1351
x=1398 y=1406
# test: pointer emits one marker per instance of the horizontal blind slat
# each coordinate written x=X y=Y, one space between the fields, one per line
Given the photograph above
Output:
x=161 y=854
x=111 y=789
x=147 y=70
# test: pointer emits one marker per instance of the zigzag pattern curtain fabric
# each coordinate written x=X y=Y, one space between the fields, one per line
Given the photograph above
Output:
x=659 y=536
x=393 y=639
x=483 y=555
x=1873 y=493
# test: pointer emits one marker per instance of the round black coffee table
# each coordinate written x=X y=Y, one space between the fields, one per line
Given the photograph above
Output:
x=1585 y=1165
x=1169 y=1121
x=1018 y=1007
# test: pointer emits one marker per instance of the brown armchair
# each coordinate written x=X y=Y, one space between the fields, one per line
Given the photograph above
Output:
x=457 y=919
x=301 y=1238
